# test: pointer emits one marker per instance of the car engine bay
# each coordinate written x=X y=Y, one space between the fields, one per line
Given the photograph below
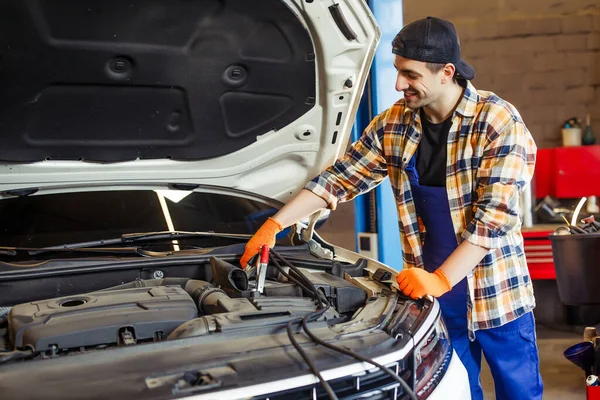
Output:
x=153 y=310
x=200 y=311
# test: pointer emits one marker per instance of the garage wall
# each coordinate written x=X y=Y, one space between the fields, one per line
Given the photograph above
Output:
x=543 y=56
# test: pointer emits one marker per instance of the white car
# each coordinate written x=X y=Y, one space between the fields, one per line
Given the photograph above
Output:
x=143 y=143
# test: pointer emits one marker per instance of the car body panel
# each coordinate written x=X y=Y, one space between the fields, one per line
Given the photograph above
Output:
x=455 y=384
x=275 y=163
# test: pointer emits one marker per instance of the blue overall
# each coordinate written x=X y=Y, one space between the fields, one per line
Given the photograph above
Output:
x=509 y=350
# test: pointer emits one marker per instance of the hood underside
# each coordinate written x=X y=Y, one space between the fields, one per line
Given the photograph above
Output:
x=116 y=81
x=208 y=92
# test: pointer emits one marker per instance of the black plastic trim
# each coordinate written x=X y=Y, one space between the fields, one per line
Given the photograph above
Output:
x=183 y=186
x=341 y=22
x=22 y=192
x=353 y=270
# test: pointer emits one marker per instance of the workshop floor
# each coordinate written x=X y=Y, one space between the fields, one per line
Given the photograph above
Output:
x=562 y=380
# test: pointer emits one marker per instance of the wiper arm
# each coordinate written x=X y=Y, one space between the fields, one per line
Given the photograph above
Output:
x=137 y=237
x=129 y=238
x=80 y=245
x=111 y=250
x=16 y=251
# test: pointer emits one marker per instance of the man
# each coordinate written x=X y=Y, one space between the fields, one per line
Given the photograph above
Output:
x=458 y=160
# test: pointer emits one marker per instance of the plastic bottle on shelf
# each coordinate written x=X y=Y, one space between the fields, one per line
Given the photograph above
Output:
x=588 y=136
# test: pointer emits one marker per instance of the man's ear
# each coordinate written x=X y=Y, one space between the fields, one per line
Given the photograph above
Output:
x=448 y=73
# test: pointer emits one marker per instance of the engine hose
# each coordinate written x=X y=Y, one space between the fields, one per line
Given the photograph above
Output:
x=205 y=295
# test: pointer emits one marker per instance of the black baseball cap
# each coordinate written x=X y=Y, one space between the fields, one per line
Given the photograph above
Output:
x=432 y=40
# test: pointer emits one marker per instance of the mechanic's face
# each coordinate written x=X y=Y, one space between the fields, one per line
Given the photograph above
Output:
x=421 y=87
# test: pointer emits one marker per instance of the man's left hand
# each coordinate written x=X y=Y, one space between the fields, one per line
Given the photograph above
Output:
x=416 y=283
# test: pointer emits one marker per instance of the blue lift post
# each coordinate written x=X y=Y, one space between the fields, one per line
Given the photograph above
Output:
x=376 y=212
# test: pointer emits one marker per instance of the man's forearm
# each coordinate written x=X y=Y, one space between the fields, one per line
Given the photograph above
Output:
x=462 y=261
x=301 y=206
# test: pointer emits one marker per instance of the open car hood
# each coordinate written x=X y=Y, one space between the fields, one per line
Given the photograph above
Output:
x=256 y=95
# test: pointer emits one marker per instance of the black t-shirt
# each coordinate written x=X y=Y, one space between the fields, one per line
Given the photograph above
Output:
x=432 y=152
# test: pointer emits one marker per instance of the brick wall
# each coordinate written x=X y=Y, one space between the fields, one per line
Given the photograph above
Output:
x=543 y=56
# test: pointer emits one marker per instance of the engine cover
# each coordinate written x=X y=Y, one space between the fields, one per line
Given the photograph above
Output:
x=100 y=318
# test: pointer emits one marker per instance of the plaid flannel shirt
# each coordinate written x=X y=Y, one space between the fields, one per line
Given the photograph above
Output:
x=491 y=158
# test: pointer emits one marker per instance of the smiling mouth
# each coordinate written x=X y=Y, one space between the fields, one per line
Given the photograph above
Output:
x=409 y=94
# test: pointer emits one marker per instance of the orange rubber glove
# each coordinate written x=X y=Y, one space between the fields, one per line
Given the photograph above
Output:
x=265 y=235
x=416 y=282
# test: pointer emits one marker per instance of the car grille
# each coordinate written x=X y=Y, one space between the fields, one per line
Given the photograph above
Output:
x=372 y=385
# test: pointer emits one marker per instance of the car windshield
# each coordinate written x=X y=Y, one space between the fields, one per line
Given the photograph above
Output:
x=54 y=219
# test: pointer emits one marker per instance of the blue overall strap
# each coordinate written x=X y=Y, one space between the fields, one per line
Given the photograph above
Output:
x=510 y=350
x=432 y=206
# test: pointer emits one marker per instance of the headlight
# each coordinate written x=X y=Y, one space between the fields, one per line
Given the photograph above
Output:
x=432 y=357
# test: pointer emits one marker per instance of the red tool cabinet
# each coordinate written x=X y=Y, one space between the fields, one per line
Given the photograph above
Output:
x=563 y=173
x=538 y=251
x=592 y=392
x=568 y=172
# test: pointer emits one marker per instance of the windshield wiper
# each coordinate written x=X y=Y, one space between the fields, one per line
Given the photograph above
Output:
x=136 y=237
x=130 y=238
x=14 y=251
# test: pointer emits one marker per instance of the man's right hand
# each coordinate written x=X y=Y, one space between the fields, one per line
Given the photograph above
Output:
x=265 y=235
